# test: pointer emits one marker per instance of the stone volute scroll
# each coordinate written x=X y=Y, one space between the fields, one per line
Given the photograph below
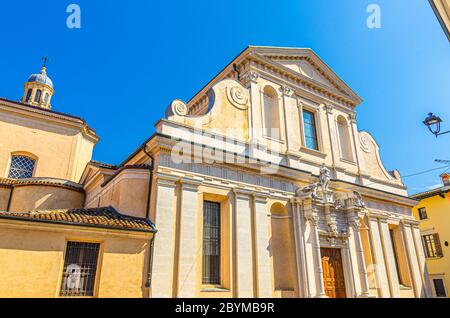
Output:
x=179 y=108
x=223 y=109
x=238 y=96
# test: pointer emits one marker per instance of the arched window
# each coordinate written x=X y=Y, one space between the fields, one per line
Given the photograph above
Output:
x=46 y=99
x=271 y=113
x=21 y=167
x=37 y=98
x=344 y=139
x=281 y=248
x=27 y=99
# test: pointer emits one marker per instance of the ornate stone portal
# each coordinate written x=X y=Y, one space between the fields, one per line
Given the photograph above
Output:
x=330 y=219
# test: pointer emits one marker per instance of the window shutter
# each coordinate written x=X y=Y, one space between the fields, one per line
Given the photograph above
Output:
x=437 y=243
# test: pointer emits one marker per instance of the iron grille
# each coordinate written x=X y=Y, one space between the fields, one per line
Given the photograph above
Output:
x=80 y=268
x=21 y=167
x=211 y=243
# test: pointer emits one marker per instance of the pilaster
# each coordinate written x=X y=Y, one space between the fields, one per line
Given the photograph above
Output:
x=164 y=246
x=263 y=269
x=312 y=220
x=357 y=253
x=381 y=277
x=389 y=259
x=244 y=260
x=189 y=239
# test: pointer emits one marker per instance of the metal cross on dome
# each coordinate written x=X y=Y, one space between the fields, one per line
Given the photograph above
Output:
x=45 y=60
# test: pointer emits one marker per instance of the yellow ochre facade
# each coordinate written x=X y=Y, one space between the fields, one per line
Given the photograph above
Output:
x=260 y=186
x=433 y=211
x=43 y=154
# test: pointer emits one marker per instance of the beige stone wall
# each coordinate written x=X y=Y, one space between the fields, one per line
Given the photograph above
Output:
x=61 y=151
x=127 y=193
x=32 y=261
x=4 y=198
x=39 y=197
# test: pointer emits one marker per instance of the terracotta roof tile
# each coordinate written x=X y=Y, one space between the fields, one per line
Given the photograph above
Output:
x=106 y=217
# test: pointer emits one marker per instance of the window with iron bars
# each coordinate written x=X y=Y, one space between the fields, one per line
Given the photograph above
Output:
x=211 y=243
x=21 y=167
x=80 y=269
x=432 y=245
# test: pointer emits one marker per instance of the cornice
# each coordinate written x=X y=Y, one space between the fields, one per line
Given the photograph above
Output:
x=57 y=118
x=304 y=82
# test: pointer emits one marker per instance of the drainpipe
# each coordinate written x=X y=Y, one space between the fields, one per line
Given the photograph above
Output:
x=8 y=207
x=148 y=284
x=150 y=181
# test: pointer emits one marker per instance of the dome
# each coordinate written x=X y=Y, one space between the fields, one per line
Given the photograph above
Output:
x=40 y=78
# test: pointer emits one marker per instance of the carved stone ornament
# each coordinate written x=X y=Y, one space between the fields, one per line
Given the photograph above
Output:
x=366 y=144
x=253 y=76
x=308 y=192
x=313 y=219
x=358 y=200
x=338 y=202
x=356 y=223
x=325 y=178
x=332 y=228
x=320 y=190
x=328 y=108
x=238 y=96
x=179 y=108
x=288 y=91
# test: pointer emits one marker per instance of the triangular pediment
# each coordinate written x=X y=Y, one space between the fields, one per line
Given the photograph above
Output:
x=305 y=63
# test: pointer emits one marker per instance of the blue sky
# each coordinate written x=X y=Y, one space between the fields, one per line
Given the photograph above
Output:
x=131 y=59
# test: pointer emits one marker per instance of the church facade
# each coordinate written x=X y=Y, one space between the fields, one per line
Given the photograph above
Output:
x=260 y=186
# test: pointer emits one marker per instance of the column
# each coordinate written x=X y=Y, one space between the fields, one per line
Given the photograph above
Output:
x=313 y=236
x=190 y=244
x=261 y=219
x=389 y=259
x=426 y=291
x=416 y=275
x=244 y=255
x=357 y=247
x=301 y=265
x=378 y=258
x=164 y=246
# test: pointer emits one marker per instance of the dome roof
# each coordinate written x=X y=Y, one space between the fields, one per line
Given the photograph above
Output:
x=40 y=78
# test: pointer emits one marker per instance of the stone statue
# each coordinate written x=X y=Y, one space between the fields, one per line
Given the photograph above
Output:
x=310 y=191
x=359 y=202
x=325 y=178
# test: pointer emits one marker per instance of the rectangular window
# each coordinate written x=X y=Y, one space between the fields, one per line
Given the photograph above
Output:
x=80 y=268
x=211 y=243
x=439 y=287
x=423 y=213
x=432 y=245
x=309 y=125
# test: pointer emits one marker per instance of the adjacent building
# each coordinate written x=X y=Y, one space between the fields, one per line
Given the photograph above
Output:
x=261 y=185
x=433 y=211
x=50 y=245
x=442 y=10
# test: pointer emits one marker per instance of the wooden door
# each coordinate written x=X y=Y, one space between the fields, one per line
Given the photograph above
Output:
x=333 y=272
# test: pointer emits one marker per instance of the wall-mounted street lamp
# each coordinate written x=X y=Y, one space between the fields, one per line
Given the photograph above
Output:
x=433 y=123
